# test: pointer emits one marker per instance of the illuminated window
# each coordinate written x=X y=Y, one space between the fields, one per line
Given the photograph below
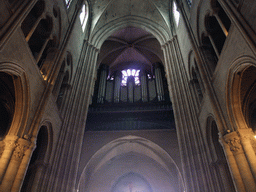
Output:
x=176 y=13
x=68 y=2
x=83 y=17
x=130 y=72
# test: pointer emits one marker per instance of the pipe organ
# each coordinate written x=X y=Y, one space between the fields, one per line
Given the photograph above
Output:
x=150 y=89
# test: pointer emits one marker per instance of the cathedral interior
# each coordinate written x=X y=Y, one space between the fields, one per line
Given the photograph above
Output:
x=128 y=95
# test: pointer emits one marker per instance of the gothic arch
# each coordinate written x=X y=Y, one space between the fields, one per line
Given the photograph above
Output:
x=219 y=167
x=211 y=135
x=105 y=31
x=127 y=149
x=63 y=80
x=46 y=124
x=22 y=99
x=235 y=101
x=40 y=158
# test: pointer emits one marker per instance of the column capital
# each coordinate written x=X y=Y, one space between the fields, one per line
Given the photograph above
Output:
x=169 y=41
x=234 y=142
x=20 y=148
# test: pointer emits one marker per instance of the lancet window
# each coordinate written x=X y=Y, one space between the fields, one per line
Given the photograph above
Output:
x=176 y=13
x=84 y=16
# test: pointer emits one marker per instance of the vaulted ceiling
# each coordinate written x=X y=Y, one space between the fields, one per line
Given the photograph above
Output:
x=130 y=48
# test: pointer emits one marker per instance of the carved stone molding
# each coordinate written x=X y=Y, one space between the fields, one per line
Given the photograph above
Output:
x=234 y=142
x=21 y=146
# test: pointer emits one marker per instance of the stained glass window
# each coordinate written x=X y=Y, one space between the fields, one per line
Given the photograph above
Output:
x=130 y=72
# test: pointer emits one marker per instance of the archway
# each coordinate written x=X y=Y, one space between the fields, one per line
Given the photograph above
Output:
x=17 y=105
x=132 y=182
x=126 y=155
x=241 y=93
x=219 y=166
x=39 y=159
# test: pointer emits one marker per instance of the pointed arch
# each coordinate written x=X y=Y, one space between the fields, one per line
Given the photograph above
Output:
x=127 y=149
x=234 y=98
x=22 y=98
x=98 y=37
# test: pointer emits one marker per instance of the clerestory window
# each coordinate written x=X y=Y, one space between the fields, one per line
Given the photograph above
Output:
x=176 y=13
x=83 y=17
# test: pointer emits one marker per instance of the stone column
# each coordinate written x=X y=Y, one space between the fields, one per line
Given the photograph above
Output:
x=234 y=142
x=23 y=166
x=20 y=147
x=117 y=86
x=63 y=172
x=238 y=182
x=144 y=86
x=102 y=84
x=130 y=89
x=197 y=173
x=159 y=81
x=246 y=141
x=9 y=146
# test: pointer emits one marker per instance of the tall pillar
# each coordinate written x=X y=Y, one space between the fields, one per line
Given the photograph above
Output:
x=63 y=172
x=144 y=86
x=194 y=159
x=130 y=87
x=238 y=182
x=117 y=86
x=23 y=166
x=159 y=81
x=102 y=84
